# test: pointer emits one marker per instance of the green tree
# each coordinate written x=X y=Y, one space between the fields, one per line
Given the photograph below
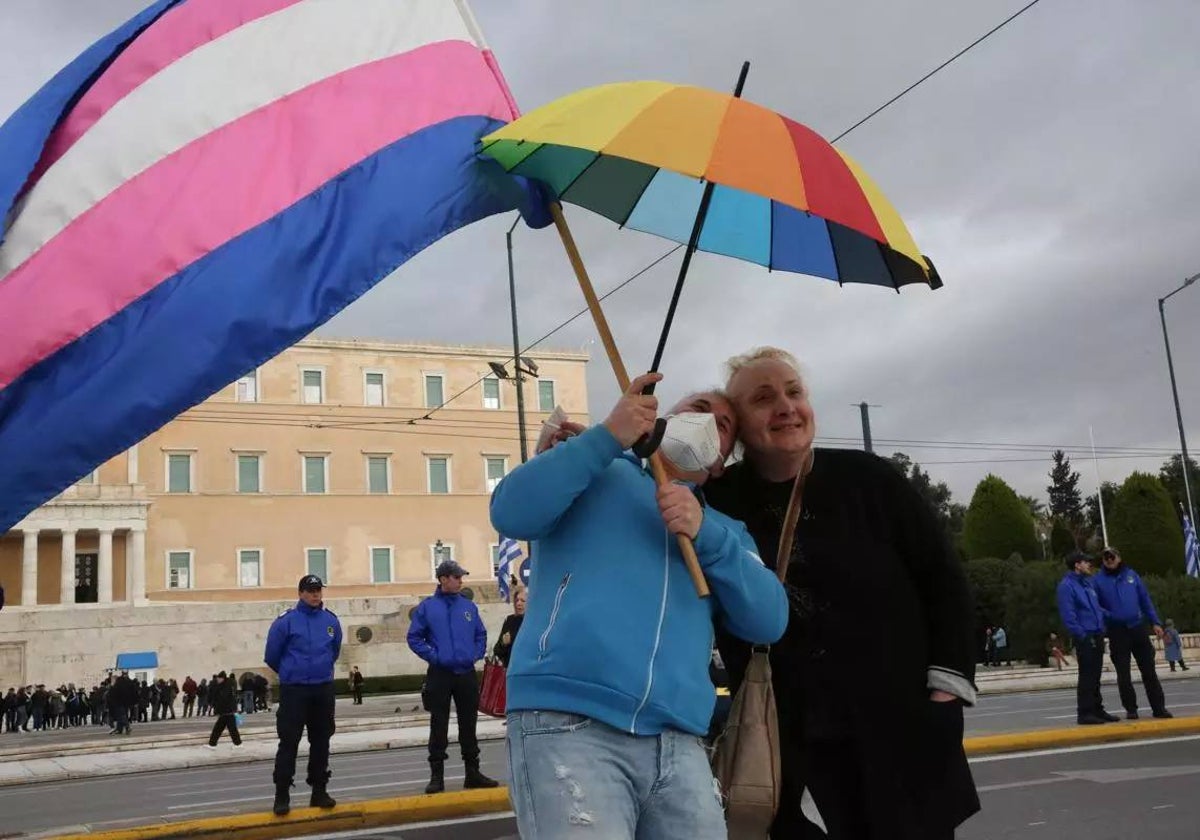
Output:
x=1108 y=491
x=989 y=579
x=1176 y=598
x=1031 y=609
x=998 y=523
x=1036 y=508
x=1144 y=526
x=1062 y=539
x=1171 y=475
x=937 y=494
x=1066 y=503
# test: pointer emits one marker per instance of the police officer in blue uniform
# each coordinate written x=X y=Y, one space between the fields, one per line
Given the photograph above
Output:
x=302 y=646
x=447 y=632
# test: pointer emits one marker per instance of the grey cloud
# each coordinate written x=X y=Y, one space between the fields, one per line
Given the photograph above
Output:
x=1050 y=173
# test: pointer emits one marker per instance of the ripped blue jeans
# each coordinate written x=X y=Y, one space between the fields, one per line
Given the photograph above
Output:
x=572 y=776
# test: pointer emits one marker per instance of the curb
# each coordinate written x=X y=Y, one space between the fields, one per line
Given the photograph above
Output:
x=378 y=813
x=1079 y=736
x=372 y=813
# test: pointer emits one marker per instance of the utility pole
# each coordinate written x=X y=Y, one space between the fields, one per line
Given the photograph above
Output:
x=865 y=409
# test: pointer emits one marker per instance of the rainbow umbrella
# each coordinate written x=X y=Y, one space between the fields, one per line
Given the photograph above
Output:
x=643 y=153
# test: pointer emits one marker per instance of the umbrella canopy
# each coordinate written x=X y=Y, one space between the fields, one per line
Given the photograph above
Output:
x=640 y=153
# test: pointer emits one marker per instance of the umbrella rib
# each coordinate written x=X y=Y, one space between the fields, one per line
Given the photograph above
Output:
x=636 y=201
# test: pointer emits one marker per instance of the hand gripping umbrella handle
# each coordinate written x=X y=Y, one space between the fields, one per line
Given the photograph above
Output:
x=614 y=357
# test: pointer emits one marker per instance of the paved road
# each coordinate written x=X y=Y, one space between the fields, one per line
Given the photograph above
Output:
x=1144 y=791
x=138 y=799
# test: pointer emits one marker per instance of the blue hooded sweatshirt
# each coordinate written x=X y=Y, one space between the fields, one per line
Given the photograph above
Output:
x=446 y=632
x=614 y=630
x=1124 y=597
x=1079 y=606
x=303 y=644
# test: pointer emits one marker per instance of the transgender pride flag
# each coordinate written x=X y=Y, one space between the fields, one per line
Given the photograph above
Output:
x=205 y=186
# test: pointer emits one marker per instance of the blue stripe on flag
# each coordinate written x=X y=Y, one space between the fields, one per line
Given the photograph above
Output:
x=1191 y=548
x=510 y=552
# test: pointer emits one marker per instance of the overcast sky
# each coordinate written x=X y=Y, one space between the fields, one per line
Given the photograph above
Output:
x=1051 y=174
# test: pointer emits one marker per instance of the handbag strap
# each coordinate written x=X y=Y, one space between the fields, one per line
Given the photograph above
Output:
x=795 y=504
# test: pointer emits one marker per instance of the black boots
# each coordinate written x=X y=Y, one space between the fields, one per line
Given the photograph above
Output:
x=320 y=798
x=283 y=802
x=437 y=777
x=476 y=779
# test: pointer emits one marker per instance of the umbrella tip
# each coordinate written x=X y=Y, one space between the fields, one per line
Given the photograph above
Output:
x=935 y=279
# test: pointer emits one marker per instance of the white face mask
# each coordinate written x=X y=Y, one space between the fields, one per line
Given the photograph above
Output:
x=692 y=442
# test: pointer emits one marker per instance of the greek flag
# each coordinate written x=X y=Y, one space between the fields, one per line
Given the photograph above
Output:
x=1191 y=547
x=510 y=553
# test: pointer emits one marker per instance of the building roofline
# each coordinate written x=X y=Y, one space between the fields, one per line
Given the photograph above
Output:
x=482 y=351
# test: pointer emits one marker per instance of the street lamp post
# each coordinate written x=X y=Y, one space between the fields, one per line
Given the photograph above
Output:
x=1187 y=487
x=512 y=299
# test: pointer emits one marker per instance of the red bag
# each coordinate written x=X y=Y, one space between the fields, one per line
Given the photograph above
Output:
x=492 y=694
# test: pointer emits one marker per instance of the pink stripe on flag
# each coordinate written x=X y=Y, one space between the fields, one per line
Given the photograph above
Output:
x=227 y=182
x=174 y=35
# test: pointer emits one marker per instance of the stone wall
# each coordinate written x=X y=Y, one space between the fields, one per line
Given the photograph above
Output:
x=56 y=646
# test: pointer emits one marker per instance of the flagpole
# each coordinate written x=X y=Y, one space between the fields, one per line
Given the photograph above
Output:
x=1099 y=488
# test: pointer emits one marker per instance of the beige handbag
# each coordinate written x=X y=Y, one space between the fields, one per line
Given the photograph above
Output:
x=746 y=760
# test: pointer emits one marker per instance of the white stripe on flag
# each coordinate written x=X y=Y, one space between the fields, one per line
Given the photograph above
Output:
x=214 y=85
x=1191 y=547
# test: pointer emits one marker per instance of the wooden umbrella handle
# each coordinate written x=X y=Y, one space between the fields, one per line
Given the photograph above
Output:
x=614 y=357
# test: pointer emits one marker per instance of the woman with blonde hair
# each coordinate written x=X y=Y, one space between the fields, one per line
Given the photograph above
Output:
x=877 y=742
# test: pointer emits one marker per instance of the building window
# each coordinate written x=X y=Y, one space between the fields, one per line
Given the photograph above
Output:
x=546 y=401
x=246 y=389
x=495 y=559
x=249 y=474
x=313 y=382
x=378 y=478
x=317 y=562
x=381 y=565
x=373 y=391
x=491 y=392
x=179 y=570
x=439 y=474
x=316 y=473
x=179 y=472
x=437 y=556
x=435 y=395
x=250 y=567
x=494 y=469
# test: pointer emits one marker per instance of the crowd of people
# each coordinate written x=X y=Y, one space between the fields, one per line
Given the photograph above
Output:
x=120 y=700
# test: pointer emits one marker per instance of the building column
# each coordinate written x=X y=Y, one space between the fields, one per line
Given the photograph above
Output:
x=137 y=574
x=29 y=564
x=132 y=465
x=104 y=579
x=67 y=574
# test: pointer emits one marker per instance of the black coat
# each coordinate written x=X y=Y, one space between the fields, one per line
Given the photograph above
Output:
x=877 y=598
x=223 y=698
x=512 y=625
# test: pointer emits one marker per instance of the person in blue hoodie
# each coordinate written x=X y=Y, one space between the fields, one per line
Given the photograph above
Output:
x=302 y=645
x=1129 y=610
x=1081 y=613
x=447 y=632
x=609 y=695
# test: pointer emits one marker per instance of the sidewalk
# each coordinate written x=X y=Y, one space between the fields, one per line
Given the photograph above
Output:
x=1017 y=678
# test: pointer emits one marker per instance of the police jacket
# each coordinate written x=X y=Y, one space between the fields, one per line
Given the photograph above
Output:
x=1079 y=606
x=1124 y=597
x=303 y=644
x=446 y=631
